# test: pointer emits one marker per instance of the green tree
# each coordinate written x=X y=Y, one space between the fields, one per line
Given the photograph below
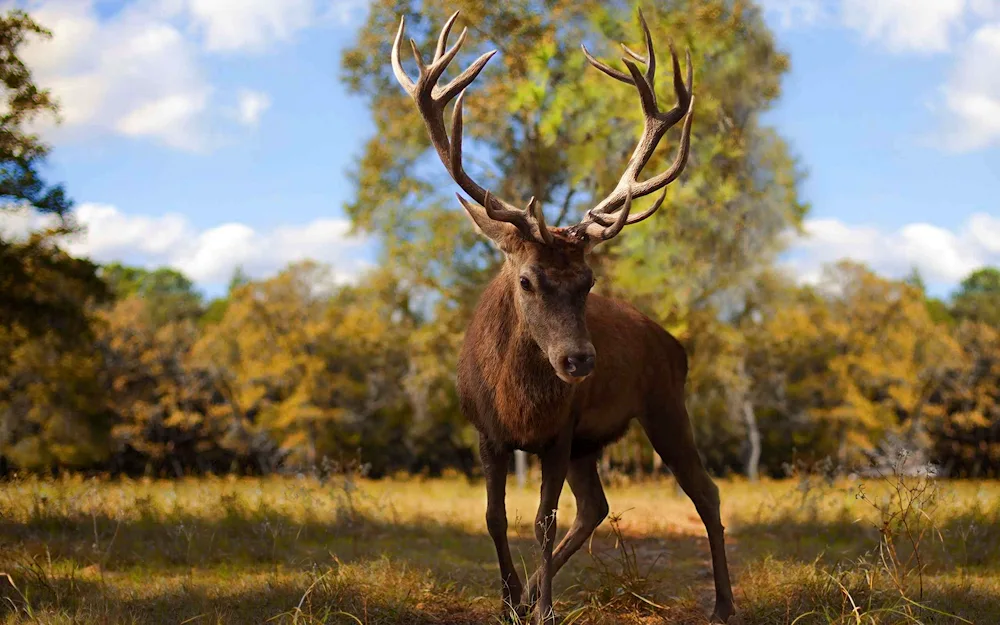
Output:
x=169 y=294
x=978 y=297
x=21 y=152
x=52 y=407
x=215 y=310
x=540 y=122
x=30 y=296
x=936 y=307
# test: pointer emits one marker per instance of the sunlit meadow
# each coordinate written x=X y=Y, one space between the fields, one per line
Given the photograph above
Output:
x=407 y=550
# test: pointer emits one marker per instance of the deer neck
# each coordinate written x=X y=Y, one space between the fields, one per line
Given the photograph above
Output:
x=525 y=365
x=529 y=403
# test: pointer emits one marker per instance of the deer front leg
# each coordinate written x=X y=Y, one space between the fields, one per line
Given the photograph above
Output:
x=495 y=469
x=591 y=510
x=555 y=464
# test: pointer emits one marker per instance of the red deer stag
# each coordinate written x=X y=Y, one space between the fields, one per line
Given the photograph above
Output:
x=551 y=369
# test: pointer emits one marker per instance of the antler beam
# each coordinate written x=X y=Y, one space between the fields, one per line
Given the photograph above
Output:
x=601 y=218
x=432 y=99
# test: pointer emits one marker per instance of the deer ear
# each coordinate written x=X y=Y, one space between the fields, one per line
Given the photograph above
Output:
x=500 y=232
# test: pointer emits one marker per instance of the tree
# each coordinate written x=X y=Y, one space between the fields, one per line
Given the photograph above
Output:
x=315 y=368
x=539 y=121
x=169 y=417
x=53 y=405
x=22 y=153
x=849 y=365
x=169 y=294
x=936 y=307
x=978 y=297
x=29 y=296
x=52 y=410
x=967 y=433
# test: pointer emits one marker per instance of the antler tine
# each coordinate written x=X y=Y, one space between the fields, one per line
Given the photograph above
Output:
x=419 y=59
x=597 y=232
x=463 y=80
x=443 y=37
x=656 y=124
x=610 y=71
x=650 y=60
x=397 y=66
x=432 y=99
x=535 y=210
x=682 y=90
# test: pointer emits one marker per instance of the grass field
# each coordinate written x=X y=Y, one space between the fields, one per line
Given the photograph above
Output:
x=286 y=550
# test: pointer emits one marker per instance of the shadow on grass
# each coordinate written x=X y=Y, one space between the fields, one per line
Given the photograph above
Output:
x=830 y=600
x=248 y=567
x=822 y=571
x=187 y=541
x=326 y=599
x=251 y=566
x=966 y=541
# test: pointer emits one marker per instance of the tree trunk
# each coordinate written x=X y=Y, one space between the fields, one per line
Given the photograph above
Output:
x=521 y=467
x=753 y=439
x=842 y=447
x=637 y=454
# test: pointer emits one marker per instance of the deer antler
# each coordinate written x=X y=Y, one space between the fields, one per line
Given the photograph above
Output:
x=600 y=222
x=431 y=100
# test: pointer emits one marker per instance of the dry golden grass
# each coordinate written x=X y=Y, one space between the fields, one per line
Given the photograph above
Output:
x=286 y=550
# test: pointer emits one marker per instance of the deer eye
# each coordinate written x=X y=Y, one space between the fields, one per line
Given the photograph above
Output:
x=525 y=284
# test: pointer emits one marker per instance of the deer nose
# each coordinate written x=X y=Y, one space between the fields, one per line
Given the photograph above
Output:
x=579 y=365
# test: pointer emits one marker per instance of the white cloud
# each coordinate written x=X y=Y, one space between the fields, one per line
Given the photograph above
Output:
x=969 y=30
x=943 y=256
x=19 y=224
x=346 y=12
x=234 y=25
x=172 y=119
x=133 y=74
x=206 y=256
x=252 y=105
x=139 y=71
x=970 y=98
x=899 y=25
x=906 y=25
x=972 y=94
x=797 y=13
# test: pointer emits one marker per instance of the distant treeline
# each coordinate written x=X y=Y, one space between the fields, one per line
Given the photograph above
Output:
x=128 y=370
x=285 y=374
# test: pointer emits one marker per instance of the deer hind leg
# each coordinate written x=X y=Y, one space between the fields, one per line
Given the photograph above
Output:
x=670 y=433
x=591 y=510
x=495 y=470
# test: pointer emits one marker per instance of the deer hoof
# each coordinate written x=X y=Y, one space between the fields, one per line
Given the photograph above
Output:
x=721 y=613
x=546 y=618
x=515 y=615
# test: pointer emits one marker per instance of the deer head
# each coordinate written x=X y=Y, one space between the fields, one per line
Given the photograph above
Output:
x=548 y=266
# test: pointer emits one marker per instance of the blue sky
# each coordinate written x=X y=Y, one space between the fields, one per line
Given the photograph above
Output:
x=207 y=134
